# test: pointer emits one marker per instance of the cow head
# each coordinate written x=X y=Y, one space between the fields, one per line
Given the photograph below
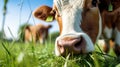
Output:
x=78 y=23
x=37 y=32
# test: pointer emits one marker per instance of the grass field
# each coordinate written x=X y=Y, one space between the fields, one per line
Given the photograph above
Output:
x=16 y=54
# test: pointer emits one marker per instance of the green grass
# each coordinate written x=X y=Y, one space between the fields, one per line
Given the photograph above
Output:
x=16 y=54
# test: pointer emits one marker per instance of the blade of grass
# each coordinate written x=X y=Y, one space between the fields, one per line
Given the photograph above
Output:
x=11 y=33
x=93 y=56
x=88 y=63
x=65 y=65
x=6 y=49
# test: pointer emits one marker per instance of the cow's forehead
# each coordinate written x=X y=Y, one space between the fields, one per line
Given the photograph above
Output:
x=63 y=4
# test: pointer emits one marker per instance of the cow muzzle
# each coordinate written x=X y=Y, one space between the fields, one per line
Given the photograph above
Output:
x=73 y=45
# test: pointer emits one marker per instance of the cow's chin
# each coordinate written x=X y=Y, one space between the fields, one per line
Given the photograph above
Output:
x=85 y=45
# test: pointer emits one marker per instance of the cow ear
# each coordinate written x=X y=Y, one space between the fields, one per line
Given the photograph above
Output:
x=44 y=13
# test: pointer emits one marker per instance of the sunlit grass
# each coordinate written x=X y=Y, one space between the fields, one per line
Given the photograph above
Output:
x=17 y=54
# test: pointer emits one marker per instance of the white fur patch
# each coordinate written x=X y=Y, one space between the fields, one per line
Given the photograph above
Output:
x=57 y=51
x=71 y=13
x=108 y=32
x=61 y=4
x=117 y=38
x=71 y=16
x=101 y=43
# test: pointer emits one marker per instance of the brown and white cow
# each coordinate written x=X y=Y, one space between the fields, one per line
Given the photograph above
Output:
x=111 y=22
x=79 y=23
x=36 y=33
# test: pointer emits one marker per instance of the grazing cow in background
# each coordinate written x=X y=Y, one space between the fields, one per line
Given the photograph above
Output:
x=79 y=23
x=111 y=22
x=36 y=33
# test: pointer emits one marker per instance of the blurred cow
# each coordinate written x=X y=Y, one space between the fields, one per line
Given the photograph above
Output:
x=79 y=23
x=110 y=12
x=36 y=33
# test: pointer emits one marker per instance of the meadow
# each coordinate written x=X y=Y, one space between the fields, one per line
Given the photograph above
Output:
x=20 y=54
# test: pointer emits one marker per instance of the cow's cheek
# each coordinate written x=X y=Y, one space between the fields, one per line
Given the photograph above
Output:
x=90 y=26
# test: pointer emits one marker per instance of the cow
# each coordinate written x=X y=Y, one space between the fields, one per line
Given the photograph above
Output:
x=111 y=23
x=36 y=33
x=79 y=23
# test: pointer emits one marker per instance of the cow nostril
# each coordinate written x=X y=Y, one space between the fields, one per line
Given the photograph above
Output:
x=61 y=49
x=78 y=44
